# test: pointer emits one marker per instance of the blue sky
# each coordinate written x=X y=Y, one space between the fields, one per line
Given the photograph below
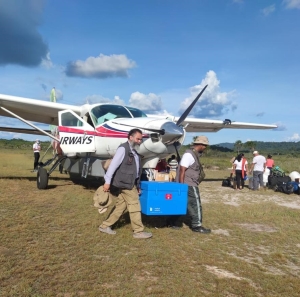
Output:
x=156 y=55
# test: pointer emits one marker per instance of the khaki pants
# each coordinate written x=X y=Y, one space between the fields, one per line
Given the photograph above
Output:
x=127 y=199
x=172 y=175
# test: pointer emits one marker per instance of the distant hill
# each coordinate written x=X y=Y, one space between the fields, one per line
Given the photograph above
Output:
x=267 y=147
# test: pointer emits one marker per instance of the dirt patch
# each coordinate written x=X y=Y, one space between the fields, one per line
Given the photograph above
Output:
x=221 y=231
x=221 y=273
x=257 y=227
x=210 y=192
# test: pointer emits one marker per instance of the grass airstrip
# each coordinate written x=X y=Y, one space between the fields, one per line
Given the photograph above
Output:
x=50 y=244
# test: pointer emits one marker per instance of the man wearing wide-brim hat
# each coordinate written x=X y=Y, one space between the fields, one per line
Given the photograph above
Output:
x=191 y=173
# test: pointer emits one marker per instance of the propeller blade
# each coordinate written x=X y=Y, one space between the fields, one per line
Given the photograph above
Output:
x=187 y=111
x=160 y=131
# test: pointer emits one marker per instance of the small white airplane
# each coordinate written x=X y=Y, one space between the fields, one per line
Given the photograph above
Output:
x=89 y=134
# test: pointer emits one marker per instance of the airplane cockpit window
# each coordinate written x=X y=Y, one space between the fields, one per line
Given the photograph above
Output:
x=69 y=120
x=106 y=112
x=136 y=112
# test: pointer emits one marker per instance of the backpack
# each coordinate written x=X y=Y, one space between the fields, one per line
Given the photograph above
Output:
x=277 y=171
x=226 y=182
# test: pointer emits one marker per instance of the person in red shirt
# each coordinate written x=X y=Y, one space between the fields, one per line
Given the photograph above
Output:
x=270 y=162
x=161 y=165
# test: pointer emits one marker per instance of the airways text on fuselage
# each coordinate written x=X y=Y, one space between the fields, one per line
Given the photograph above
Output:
x=76 y=140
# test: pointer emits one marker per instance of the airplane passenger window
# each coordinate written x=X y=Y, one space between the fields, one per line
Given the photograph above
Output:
x=69 y=120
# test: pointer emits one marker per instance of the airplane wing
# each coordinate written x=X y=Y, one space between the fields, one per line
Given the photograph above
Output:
x=202 y=125
x=47 y=112
x=34 y=110
x=205 y=125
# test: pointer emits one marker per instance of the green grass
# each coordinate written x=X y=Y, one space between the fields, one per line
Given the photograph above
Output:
x=50 y=244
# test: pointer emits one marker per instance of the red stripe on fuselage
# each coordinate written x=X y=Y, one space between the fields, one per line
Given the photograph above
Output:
x=100 y=132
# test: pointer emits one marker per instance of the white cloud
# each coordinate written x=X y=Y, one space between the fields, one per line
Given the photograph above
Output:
x=295 y=137
x=212 y=102
x=46 y=62
x=100 y=99
x=268 y=10
x=101 y=67
x=150 y=103
x=291 y=4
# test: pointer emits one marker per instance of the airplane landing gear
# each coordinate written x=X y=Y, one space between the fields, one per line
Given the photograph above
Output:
x=43 y=175
x=42 y=178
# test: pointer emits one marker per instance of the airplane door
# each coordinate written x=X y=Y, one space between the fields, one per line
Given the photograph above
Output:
x=76 y=135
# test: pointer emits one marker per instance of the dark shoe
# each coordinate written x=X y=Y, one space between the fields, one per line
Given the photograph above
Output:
x=201 y=229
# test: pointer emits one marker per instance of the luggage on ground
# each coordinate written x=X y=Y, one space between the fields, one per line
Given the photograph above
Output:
x=226 y=182
x=250 y=179
x=283 y=187
x=274 y=180
x=277 y=171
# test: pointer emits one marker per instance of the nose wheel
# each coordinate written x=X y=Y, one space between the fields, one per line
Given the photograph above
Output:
x=42 y=178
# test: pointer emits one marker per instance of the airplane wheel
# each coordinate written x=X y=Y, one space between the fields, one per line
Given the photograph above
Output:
x=42 y=179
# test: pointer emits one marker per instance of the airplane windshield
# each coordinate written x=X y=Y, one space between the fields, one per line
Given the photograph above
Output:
x=136 y=112
x=104 y=113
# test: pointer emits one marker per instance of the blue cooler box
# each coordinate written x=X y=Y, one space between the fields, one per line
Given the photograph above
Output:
x=163 y=198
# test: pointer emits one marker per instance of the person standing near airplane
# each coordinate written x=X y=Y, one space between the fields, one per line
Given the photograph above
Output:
x=123 y=179
x=36 y=152
x=191 y=173
x=258 y=167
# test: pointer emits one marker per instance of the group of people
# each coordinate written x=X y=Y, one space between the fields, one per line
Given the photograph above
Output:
x=257 y=168
x=123 y=178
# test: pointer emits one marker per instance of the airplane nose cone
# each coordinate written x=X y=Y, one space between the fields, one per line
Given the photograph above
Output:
x=172 y=132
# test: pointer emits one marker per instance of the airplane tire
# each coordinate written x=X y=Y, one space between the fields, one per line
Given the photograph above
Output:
x=42 y=178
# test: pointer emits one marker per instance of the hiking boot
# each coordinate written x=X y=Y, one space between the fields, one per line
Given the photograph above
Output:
x=107 y=230
x=142 y=235
x=201 y=229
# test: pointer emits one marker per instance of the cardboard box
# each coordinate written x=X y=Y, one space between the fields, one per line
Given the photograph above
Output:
x=161 y=176
x=163 y=198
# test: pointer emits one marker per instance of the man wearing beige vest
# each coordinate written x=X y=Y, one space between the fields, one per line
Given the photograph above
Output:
x=191 y=173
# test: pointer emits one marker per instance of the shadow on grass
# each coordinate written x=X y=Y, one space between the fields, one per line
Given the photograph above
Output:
x=32 y=178
x=156 y=221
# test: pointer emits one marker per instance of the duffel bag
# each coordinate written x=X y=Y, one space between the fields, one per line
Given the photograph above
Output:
x=274 y=180
x=283 y=187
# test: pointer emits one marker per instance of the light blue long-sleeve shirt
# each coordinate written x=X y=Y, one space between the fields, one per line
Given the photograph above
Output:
x=116 y=162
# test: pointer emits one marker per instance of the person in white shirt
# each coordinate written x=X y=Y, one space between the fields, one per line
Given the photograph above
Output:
x=36 y=152
x=258 y=167
x=240 y=166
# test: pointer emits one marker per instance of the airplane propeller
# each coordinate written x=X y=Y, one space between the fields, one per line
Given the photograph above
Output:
x=187 y=111
x=179 y=121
